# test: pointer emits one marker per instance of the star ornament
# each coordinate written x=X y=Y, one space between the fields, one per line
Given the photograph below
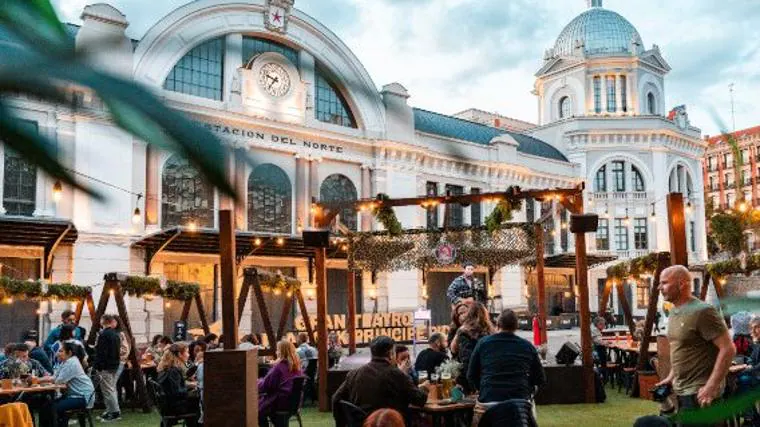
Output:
x=276 y=17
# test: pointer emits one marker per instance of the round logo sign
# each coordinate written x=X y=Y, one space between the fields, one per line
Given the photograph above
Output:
x=445 y=254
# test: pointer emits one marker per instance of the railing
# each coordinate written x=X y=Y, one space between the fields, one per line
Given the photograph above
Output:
x=631 y=253
x=621 y=195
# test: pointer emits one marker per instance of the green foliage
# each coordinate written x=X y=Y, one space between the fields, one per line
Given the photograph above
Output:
x=277 y=282
x=44 y=64
x=387 y=216
x=633 y=268
x=728 y=231
x=68 y=292
x=503 y=211
x=33 y=290
x=139 y=286
x=181 y=291
x=15 y=287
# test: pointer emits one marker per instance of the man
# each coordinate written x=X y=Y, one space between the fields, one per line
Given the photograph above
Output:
x=68 y=317
x=305 y=352
x=701 y=350
x=107 y=362
x=37 y=353
x=596 y=337
x=19 y=363
x=467 y=287
x=504 y=366
x=433 y=356
x=403 y=361
x=379 y=383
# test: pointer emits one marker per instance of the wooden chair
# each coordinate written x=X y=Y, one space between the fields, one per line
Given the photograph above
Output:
x=282 y=418
x=353 y=416
x=168 y=418
x=83 y=416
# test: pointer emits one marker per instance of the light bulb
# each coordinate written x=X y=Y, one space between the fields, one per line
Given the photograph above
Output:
x=136 y=217
x=257 y=242
x=57 y=191
x=280 y=241
x=192 y=226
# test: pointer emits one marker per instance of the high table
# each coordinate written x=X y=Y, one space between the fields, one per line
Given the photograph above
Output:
x=46 y=388
x=445 y=415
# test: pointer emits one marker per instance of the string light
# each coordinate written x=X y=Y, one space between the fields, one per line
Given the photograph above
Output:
x=136 y=216
x=111 y=292
x=57 y=191
x=373 y=294
x=289 y=294
x=344 y=248
x=742 y=207
x=277 y=291
x=626 y=219
x=563 y=225
x=280 y=241
x=310 y=293
x=192 y=226
x=257 y=241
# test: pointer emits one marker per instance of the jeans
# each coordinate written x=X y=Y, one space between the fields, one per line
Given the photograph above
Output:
x=66 y=404
x=108 y=389
x=690 y=402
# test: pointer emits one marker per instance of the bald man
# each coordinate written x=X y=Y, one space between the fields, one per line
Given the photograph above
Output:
x=701 y=350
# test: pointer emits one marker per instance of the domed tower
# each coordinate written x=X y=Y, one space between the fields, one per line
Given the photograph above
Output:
x=599 y=66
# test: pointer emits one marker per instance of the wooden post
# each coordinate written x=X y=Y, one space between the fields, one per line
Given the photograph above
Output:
x=243 y=296
x=102 y=304
x=227 y=257
x=663 y=261
x=202 y=314
x=605 y=298
x=305 y=315
x=677 y=227
x=264 y=313
x=540 y=282
x=351 y=321
x=320 y=255
x=626 y=306
x=284 y=315
x=705 y=284
x=186 y=310
x=581 y=271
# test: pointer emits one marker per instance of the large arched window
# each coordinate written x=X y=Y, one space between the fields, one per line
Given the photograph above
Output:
x=338 y=188
x=330 y=105
x=651 y=104
x=186 y=197
x=600 y=180
x=269 y=200
x=20 y=180
x=565 y=107
x=200 y=71
x=680 y=181
x=253 y=46
x=638 y=180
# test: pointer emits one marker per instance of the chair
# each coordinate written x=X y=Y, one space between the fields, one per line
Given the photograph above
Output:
x=353 y=415
x=513 y=413
x=168 y=418
x=310 y=388
x=282 y=418
x=83 y=415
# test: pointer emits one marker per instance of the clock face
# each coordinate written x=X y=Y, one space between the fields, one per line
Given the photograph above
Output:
x=274 y=79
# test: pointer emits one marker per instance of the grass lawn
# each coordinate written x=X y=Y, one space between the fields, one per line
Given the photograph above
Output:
x=619 y=410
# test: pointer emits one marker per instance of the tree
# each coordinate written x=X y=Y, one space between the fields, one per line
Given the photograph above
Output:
x=44 y=64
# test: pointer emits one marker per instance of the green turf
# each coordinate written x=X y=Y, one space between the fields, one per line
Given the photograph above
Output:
x=619 y=410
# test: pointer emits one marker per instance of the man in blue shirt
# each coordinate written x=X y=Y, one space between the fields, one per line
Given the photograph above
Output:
x=68 y=317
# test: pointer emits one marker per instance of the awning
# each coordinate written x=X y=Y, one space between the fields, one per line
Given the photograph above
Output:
x=567 y=260
x=47 y=234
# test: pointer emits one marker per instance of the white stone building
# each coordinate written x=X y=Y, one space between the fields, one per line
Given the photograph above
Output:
x=270 y=79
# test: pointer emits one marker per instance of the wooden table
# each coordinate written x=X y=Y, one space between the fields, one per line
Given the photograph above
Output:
x=624 y=346
x=445 y=415
x=47 y=388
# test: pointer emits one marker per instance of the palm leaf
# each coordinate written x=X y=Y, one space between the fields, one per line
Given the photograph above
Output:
x=35 y=22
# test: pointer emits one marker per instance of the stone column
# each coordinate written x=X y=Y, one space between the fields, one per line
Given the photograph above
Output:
x=589 y=95
x=313 y=184
x=603 y=80
x=618 y=94
x=302 y=191
x=366 y=192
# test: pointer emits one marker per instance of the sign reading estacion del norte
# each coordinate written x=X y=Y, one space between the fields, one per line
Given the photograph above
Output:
x=258 y=136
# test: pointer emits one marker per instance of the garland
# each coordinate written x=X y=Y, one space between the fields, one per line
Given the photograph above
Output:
x=139 y=286
x=68 y=292
x=181 y=291
x=277 y=282
x=33 y=290
x=721 y=269
x=633 y=268
x=387 y=216
x=503 y=211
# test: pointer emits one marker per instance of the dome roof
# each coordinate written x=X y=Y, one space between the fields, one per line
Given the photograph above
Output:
x=602 y=33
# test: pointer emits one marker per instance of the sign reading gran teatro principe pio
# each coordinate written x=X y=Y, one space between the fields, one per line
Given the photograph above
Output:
x=261 y=137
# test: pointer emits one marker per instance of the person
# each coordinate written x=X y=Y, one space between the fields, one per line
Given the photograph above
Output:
x=68 y=334
x=504 y=366
x=433 y=356
x=458 y=315
x=124 y=348
x=19 y=363
x=467 y=287
x=196 y=348
x=749 y=379
x=249 y=342
x=79 y=392
x=171 y=377
x=107 y=364
x=68 y=317
x=276 y=386
x=476 y=326
x=600 y=350
x=379 y=384
x=155 y=352
x=403 y=361
x=701 y=350
x=334 y=349
x=305 y=351
x=37 y=353
x=384 y=418
x=741 y=333
x=212 y=340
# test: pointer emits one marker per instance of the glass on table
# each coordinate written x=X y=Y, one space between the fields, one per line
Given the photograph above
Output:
x=423 y=376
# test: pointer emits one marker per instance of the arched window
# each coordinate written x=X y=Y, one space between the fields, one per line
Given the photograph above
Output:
x=638 y=180
x=338 y=188
x=651 y=104
x=185 y=195
x=600 y=181
x=20 y=180
x=269 y=200
x=330 y=105
x=200 y=71
x=565 y=107
x=680 y=181
x=253 y=46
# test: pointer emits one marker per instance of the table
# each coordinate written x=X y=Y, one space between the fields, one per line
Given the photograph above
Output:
x=625 y=346
x=47 y=388
x=446 y=414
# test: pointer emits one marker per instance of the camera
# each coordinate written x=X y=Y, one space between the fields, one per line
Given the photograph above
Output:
x=660 y=393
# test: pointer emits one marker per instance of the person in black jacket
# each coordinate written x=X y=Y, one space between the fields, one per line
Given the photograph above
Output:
x=432 y=357
x=476 y=326
x=37 y=353
x=171 y=377
x=106 y=364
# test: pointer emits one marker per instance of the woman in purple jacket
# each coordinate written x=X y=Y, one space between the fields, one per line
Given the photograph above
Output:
x=276 y=386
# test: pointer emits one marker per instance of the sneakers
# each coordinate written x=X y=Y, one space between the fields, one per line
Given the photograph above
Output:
x=110 y=416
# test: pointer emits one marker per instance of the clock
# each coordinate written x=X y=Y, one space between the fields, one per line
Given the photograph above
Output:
x=274 y=79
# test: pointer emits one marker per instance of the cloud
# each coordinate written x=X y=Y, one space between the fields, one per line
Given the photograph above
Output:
x=456 y=54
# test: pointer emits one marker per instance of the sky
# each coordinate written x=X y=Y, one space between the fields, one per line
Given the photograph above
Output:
x=456 y=54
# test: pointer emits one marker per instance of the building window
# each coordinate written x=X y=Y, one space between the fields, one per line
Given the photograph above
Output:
x=269 y=200
x=186 y=197
x=693 y=236
x=530 y=210
x=455 y=217
x=712 y=183
x=651 y=104
x=623 y=93
x=611 y=102
x=253 y=46
x=618 y=176
x=20 y=179
x=621 y=235
x=565 y=107
x=563 y=241
x=431 y=189
x=338 y=188
x=642 y=294
x=475 y=210
x=603 y=235
x=597 y=94
x=640 y=240
x=330 y=105
x=638 y=180
x=200 y=71
x=600 y=180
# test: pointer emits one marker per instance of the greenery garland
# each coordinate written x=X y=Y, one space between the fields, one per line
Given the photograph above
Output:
x=633 y=268
x=277 y=282
x=68 y=292
x=181 y=291
x=387 y=216
x=503 y=211
x=139 y=286
x=33 y=290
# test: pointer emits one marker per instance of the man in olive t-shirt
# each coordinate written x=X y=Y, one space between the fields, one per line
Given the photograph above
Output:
x=701 y=350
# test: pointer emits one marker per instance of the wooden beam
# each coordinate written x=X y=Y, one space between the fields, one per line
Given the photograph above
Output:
x=677 y=228
x=227 y=263
x=185 y=310
x=305 y=315
x=202 y=314
x=605 y=297
x=663 y=261
x=263 y=310
x=351 y=321
x=49 y=252
x=581 y=271
x=150 y=255
x=320 y=255
x=628 y=316
x=284 y=316
x=540 y=281
x=142 y=390
x=102 y=305
x=78 y=311
x=243 y=297
x=705 y=283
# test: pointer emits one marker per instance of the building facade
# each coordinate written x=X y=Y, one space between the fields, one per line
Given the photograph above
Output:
x=274 y=82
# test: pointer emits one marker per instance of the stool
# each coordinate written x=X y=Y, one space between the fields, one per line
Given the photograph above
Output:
x=84 y=416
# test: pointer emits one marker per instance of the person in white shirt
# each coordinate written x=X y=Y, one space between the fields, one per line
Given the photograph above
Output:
x=305 y=352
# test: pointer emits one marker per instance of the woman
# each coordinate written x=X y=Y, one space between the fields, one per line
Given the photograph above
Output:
x=171 y=377
x=385 y=417
x=334 y=349
x=79 y=392
x=276 y=386
x=476 y=326
x=212 y=340
x=457 y=318
x=249 y=342
x=197 y=347
x=67 y=335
